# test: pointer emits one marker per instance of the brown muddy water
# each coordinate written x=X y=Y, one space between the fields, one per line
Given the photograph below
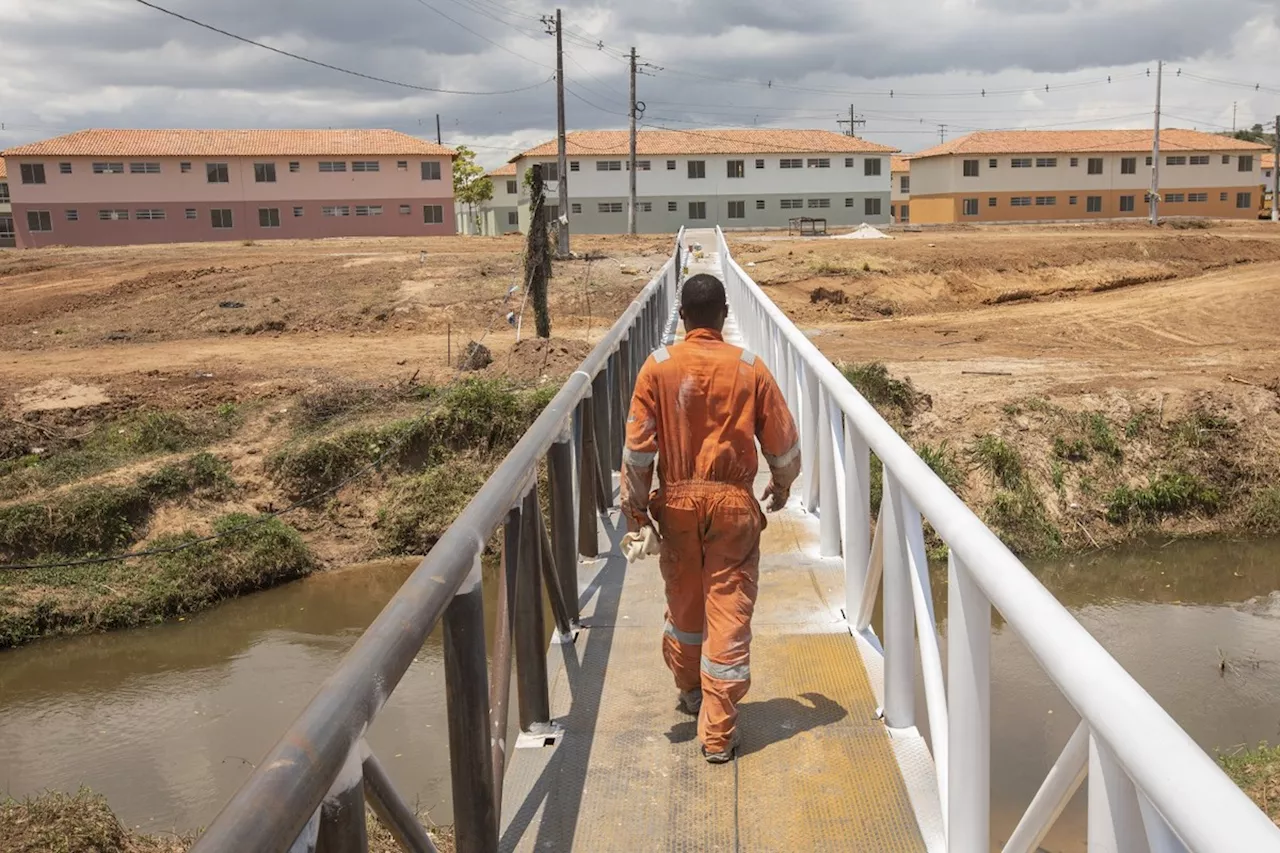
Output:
x=166 y=721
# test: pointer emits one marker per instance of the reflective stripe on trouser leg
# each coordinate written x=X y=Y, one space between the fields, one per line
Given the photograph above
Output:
x=681 y=564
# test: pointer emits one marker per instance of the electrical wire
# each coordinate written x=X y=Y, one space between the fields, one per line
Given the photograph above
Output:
x=327 y=65
x=480 y=36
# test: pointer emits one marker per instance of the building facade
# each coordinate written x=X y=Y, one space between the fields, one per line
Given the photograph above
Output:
x=7 y=236
x=1029 y=176
x=900 y=191
x=500 y=214
x=120 y=187
x=737 y=179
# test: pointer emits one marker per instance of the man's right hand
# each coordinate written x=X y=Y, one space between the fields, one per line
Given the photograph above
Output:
x=775 y=497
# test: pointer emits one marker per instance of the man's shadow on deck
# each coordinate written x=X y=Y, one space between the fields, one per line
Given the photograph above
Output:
x=763 y=724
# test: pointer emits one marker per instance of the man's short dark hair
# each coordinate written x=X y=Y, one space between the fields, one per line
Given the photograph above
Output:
x=702 y=300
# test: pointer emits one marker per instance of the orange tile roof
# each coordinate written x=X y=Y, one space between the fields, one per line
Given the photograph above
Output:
x=1100 y=141
x=1268 y=162
x=899 y=164
x=657 y=143
x=507 y=171
x=2 y=172
x=230 y=143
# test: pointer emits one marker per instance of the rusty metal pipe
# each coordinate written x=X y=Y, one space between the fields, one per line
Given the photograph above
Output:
x=530 y=630
x=392 y=811
x=500 y=673
x=563 y=531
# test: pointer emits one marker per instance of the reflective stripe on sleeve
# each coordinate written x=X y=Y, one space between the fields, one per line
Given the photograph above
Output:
x=726 y=672
x=661 y=354
x=784 y=459
x=637 y=458
x=684 y=637
x=748 y=356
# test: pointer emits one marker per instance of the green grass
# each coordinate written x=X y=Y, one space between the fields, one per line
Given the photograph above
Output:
x=942 y=460
x=1101 y=437
x=999 y=458
x=1169 y=494
x=1058 y=475
x=1075 y=450
x=1137 y=425
x=1257 y=772
x=1201 y=429
x=894 y=398
x=421 y=507
x=63 y=600
x=1263 y=514
x=1018 y=517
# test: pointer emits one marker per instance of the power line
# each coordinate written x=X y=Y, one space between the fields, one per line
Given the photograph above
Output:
x=337 y=68
x=485 y=38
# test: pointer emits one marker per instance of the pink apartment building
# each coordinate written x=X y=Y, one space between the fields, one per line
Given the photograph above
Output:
x=120 y=187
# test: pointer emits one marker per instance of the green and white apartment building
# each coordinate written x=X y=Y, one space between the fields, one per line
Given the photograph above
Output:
x=737 y=179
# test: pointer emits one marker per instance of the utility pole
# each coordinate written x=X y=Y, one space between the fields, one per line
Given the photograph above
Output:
x=942 y=133
x=562 y=165
x=1155 y=150
x=1234 y=106
x=439 y=138
x=631 y=201
x=854 y=121
x=1275 y=178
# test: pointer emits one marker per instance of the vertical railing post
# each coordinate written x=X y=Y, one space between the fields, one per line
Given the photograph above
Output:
x=617 y=386
x=809 y=436
x=530 y=629
x=828 y=495
x=857 y=518
x=475 y=817
x=969 y=711
x=503 y=638
x=588 y=473
x=1115 y=821
x=603 y=438
x=564 y=532
x=393 y=812
x=899 y=614
x=342 y=823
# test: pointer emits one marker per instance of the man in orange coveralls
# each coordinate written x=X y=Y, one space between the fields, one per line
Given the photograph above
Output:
x=699 y=407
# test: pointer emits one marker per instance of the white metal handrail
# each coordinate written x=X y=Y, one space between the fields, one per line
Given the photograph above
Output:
x=1151 y=787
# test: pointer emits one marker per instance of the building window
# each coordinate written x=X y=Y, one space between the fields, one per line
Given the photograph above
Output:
x=608 y=165
x=697 y=210
x=1197 y=198
x=1020 y=163
x=791 y=163
x=644 y=166
x=871 y=206
x=575 y=208
x=1226 y=161
x=32 y=173
x=671 y=165
x=672 y=206
x=401 y=165
x=73 y=215
x=1095 y=165
x=221 y=217
x=759 y=163
x=430 y=170
x=970 y=207
x=4 y=193
x=1020 y=201
x=737 y=168
x=107 y=168
x=39 y=220
x=819 y=202
x=819 y=163
x=366 y=166
x=1093 y=204
x=153 y=214
x=644 y=206
x=513 y=218
x=992 y=201
x=191 y=213
x=993 y=163
x=791 y=203
x=184 y=167
x=1046 y=200
x=1176 y=198
x=1075 y=161
x=1175 y=160
x=759 y=204
x=1244 y=201
x=64 y=168
x=144 y=168
x=335 y=210
x=551 y=172
x=1128 y=165
x=971 y=168
x=574 y=166
x=269 y=217
x=848 y=162
x=368 y=210
x=697 y=169
x=553 y=212
x=1246 y=163
x=1126 y=203
x=341 y=166
x=216 y=173
x=1199 y=159
x=297 y=211
x=737 y=210
x=871 y=168
x=1073 y=200
x=1148 y=160
x=433 y=214
x=264 y=173
x=609 y=207
x=904 y=184
x=1222 y=197
x=848 y=202
x=113 y=215
x=6 y=227
x=512 y=187
x=1046 y=162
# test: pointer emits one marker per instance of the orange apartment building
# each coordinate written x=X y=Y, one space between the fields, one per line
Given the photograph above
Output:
x=1037 y=176
x=900 y=190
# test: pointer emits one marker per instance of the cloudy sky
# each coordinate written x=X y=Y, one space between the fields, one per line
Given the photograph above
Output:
x=70 y=64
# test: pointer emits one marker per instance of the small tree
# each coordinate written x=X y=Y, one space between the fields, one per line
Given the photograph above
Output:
x=471 y=186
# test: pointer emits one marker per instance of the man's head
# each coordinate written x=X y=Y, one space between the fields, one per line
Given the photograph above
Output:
x=703 y=304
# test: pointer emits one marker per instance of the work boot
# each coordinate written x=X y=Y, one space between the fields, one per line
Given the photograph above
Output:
x=726 y=755
x=691 y=702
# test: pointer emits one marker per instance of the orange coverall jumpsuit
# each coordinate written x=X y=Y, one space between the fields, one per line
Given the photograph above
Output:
x=699 y=407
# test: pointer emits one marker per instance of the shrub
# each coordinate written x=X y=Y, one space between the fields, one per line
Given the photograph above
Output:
x=998 y=457
x=1166 y=495
x=942 y=460
x=880 y=389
